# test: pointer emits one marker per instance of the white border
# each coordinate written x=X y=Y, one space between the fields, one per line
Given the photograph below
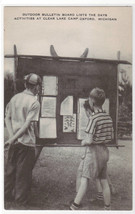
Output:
x=56 y=3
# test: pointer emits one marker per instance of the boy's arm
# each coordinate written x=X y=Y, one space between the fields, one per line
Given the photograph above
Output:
x=36 y=128
x=88 y=140
x=19 y=133
x=112 y=133
x=9 y=125
x=8 y=119
x=32 y=116
x=90 y=130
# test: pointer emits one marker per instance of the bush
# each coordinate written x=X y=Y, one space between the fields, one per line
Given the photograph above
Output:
x=125 y=110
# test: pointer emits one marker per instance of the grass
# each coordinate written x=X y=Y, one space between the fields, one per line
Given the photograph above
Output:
x=53 y=184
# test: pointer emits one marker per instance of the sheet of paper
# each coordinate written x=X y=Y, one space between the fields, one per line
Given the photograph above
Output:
x=67 y=106
x=47 y=128
x=106 y=106
x=69 y=123
x=50 y=85
x=82 y=120
x=48 y=107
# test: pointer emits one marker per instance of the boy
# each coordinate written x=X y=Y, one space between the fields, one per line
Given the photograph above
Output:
x=94 y=165
x=99 y=196
x=21 y=117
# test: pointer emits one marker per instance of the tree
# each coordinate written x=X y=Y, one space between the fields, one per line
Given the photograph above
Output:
x=8 y=87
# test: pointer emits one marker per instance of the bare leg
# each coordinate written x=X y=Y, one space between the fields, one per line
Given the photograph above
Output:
x=82 y=190
x=113 y=191
x=98 y=185
x=78 y=180
x=99 y=195
x=106 y=191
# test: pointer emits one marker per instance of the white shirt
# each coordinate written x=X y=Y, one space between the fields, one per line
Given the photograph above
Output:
x=24 y=106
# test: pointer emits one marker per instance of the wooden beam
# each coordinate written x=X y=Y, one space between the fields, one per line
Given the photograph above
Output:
x=69 y=59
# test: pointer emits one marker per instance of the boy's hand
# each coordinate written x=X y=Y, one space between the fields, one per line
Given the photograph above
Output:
x=83 y=143
x=6 y=145
x=8 y=142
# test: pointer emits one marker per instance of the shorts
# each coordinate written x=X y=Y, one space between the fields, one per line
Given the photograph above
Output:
x=94 y=164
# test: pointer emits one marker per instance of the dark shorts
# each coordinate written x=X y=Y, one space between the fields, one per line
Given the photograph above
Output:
x=94 y=164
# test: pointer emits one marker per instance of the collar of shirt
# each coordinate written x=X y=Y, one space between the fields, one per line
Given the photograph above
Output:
x=98 y=111
x=28 y=92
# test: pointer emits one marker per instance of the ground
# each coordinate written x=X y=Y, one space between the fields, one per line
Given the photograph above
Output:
x=53 y=185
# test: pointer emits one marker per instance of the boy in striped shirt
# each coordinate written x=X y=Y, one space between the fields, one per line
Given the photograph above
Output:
x=94 y=165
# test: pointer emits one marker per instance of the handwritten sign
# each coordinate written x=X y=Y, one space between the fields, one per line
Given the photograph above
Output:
x=69 y=123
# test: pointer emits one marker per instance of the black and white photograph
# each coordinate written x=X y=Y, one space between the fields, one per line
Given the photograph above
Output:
x=68 y=108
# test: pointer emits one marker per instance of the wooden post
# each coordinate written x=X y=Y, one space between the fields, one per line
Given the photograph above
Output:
x=118 y=55
x=15 y=67
x=117 y=105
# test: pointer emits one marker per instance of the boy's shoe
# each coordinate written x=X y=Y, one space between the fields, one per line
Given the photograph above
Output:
x=107 y=207
x=100 y=196
x=74 y=206
x=96 y=202
x=98 y=199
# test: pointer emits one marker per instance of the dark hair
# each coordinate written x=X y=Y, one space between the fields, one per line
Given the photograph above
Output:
x=98 y=96
x=87 y=105
x=29 y=86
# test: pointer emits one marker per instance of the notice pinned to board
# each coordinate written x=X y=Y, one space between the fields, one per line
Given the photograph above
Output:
x=48 y=107
x=106 y=106
x=50 y=85
x=69 y=123
x=82 y=119
x=47 y=128
x=67 y=106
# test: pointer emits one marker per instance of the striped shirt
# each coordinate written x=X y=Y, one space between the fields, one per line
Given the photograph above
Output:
x=100 y=125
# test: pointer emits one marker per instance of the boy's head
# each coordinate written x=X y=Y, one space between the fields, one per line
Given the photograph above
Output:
x=33 y=82
x=96 y=98
x=87 y=108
